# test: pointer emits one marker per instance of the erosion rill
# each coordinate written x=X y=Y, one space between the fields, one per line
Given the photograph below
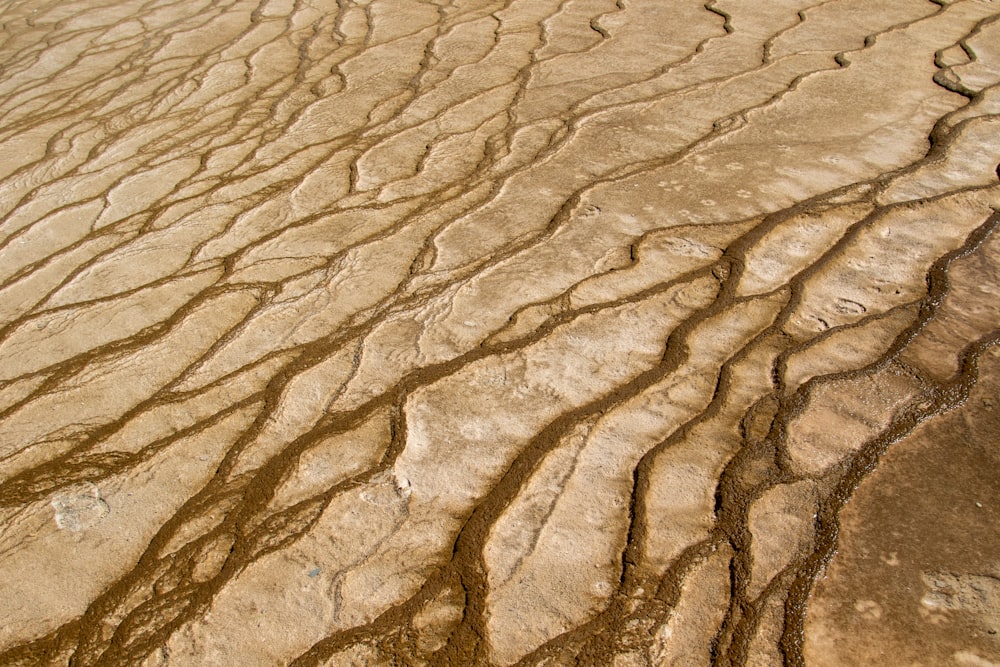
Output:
x=469 y=332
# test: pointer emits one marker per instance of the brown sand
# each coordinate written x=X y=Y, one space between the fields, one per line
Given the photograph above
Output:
x=470 y=332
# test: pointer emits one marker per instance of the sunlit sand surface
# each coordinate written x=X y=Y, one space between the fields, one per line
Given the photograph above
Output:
x=469 y=332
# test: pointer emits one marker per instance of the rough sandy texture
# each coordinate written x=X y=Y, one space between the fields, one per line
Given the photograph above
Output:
x=469 y=332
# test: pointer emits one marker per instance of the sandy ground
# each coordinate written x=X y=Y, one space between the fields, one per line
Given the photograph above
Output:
x=470 y=332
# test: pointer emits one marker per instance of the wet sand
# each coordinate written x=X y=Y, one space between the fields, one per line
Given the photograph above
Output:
x=537 y=332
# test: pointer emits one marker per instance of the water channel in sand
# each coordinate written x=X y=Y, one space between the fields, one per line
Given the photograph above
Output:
x=472 y=332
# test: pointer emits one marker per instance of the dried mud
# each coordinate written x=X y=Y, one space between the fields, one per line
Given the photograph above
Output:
x=469 y=332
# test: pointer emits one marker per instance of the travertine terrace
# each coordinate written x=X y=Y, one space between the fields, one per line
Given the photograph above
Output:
x=481 y=332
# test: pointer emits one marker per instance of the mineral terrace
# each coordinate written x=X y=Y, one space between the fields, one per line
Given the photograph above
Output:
x=482 y=332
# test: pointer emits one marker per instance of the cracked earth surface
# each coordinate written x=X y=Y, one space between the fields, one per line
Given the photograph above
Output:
x=471 y=332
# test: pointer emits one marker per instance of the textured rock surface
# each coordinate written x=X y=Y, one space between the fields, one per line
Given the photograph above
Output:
x=472 y=332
